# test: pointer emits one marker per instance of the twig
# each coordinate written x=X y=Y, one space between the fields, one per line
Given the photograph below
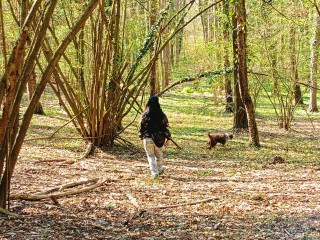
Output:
x=186 y=204
x=88 y=150
x=51 y=136
x=308 y=85
x=6 y=212
x=176 y=144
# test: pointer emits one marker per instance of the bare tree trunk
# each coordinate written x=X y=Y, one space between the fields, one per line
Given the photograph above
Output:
x=153 y=76
x=240 y=120
x=240 y=11
x=4 y=45
x=177 y=48
x=31 y=87
x=165 y=66
x=293 y=64
x=165 y=59
x=314 y=64
x=227 y=80
x=293 y=68
x=25 y=5
x=108 y=127
x=204 y=21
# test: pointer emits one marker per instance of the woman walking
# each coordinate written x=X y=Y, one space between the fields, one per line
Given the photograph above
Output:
x=153 y=121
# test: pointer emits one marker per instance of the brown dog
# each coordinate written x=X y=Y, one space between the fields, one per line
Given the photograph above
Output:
x=218 y=138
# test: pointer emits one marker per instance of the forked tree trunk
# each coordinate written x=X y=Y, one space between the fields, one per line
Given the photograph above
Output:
x=240 y=120
x=108 y=128
x=240 y=11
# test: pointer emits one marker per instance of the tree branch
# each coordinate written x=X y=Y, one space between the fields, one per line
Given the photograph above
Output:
x=308 y=85
x=191 y=79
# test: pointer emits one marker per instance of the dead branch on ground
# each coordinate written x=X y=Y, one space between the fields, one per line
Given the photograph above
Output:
x=186 y=204
x=88 y=151
x=6 y=212
x=54 y=196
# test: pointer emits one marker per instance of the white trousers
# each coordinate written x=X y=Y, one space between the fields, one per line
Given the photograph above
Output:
x=154 y=155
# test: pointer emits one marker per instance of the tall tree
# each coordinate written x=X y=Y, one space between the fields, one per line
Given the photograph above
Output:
x=293 y=61
x=205 y=20
x=240 y=11
x=314 y=60
x=176 y=46
x=153 y=75
x=240 y=120
x=227 y=80
x=165 y=58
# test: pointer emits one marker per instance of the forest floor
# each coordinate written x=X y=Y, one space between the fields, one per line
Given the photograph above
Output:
x=236 y=192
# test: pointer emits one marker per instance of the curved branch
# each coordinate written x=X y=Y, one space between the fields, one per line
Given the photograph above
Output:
x=191 y=79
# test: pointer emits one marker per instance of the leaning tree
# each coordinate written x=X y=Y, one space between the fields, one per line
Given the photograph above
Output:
x=13 y=83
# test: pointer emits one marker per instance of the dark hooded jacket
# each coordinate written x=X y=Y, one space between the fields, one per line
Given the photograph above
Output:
x=153 y=120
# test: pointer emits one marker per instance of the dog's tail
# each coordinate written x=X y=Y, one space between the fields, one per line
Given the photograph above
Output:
x=209 y=133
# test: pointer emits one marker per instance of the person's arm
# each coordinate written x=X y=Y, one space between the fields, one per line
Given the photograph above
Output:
x=166 y=128
x=141 y=127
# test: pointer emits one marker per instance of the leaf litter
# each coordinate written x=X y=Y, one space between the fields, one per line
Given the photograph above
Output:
x=228 y=193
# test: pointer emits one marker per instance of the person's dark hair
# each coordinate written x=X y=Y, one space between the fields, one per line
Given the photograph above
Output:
x=153 y=110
